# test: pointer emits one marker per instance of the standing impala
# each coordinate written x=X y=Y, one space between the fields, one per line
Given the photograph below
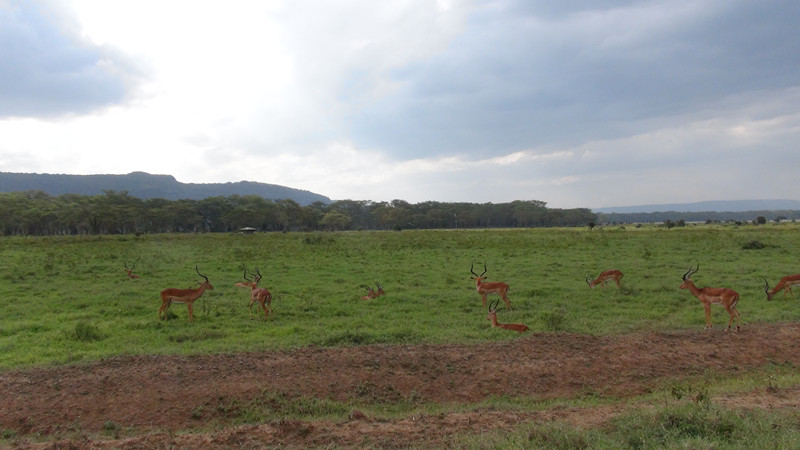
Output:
x=485 y=289
x=259 y=295
x=187 y=296
x=604 y=278
x=728 y=298
x=492 y=317
x=785 y=283
x=132 y=276
x=372 y=293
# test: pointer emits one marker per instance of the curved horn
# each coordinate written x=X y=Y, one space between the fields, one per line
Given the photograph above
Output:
x=245 y=276
x=379 y=285
x=198 y=272
x=766 y=288
x=690 y=272
x=588 y=280
x=493 y=305
x=472 y=269
x=484 y=269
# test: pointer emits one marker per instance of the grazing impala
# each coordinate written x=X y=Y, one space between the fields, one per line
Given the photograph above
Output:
x=187 y=296
x=492 y=317
x=259 y=295
x=485 y=289
x=132 y=276
x=604 y=278
x=785 y=283
x=372 y=293
x=728 y=298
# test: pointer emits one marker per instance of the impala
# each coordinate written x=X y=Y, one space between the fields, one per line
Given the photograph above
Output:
x=188 y=296
x=604 y=278
x=259 y=295
x=372 y=293
x=485 y=289
x=785 y=283
x=728 y=298
x=492 y=317
x=131 y=275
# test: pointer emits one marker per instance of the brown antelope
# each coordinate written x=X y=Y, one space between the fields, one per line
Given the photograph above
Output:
x=492 y=317
x=372 y=293
x=728 y=298
x=785 y=283
x=485 y=289
x=259 y=295
x=132 y=276
x=188 y=296
x=604 y=278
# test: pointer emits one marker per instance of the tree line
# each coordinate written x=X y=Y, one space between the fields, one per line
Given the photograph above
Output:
x=116 y=212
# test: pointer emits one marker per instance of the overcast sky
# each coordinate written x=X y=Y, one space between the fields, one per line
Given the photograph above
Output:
x=577 y=103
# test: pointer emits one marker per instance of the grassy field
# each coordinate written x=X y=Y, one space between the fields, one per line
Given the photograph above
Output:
x=68 y=299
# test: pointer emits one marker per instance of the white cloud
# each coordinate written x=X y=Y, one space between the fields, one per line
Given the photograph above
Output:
x=576 y=104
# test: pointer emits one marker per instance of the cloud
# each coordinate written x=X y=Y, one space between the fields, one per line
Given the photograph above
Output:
x=576 y=103
x=48 y=70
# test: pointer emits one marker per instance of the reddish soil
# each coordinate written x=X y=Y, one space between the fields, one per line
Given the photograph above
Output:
x=188 y=402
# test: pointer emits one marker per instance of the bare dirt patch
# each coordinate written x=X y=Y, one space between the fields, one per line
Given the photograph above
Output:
x=167 y=401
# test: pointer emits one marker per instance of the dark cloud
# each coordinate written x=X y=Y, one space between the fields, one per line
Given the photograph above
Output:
x=524 y=74
x=47 y=70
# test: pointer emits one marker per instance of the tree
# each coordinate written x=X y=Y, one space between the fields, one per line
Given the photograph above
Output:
x=335 y=220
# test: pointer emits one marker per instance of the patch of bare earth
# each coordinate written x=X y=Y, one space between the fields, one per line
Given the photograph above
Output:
x=155 y=399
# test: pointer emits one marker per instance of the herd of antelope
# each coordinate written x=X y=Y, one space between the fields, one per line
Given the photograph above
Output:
x=726 y=297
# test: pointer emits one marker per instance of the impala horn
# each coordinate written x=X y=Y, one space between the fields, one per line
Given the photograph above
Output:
x=198 y=272
x=690 y=272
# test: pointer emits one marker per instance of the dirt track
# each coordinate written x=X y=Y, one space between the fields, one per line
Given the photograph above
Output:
x=152 y=398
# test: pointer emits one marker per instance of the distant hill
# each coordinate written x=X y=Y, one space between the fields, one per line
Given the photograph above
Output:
x=716 y=206
x=144 y=185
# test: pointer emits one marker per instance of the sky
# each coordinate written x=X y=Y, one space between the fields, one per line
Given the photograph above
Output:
x=577 y=103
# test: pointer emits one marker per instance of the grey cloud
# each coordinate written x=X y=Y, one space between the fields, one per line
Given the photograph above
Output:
x=521 y=76
x=47 y=70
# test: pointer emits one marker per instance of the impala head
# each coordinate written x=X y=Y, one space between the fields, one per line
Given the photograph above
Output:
x=589 y=280
x=257 y=276
x=206 y=283
x=380 y=289
x=129 y=269
x=687 y=277
x=766 y=289
x=492 y=310
x=476 y=276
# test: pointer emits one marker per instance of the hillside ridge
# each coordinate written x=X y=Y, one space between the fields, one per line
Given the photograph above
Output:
x=145 y=186
x=711 y=205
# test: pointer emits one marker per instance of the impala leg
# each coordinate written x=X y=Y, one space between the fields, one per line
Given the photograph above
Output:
x=266 y=314
x=250 y=308
x=789 y=289
x=191 y=311
x=165 y=304
x=707 y=307
x=738 y=317
x=483 y=297
x=507 y=301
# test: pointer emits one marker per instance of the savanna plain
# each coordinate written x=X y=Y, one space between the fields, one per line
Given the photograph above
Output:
x=86 y=363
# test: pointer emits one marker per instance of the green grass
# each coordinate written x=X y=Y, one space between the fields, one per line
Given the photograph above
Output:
x=67 y=299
